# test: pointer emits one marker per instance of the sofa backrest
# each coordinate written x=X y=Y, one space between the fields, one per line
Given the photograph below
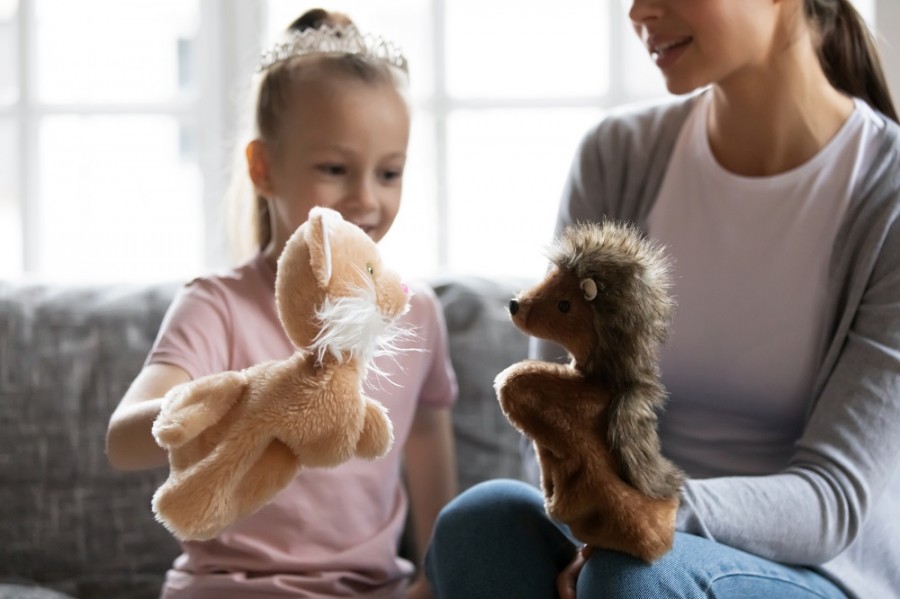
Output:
x=67 y=354
x=483 y=342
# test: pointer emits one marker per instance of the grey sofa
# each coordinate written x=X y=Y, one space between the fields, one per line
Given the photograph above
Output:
x=70 y=525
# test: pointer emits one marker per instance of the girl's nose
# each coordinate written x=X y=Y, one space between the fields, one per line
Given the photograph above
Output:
x=363 y=194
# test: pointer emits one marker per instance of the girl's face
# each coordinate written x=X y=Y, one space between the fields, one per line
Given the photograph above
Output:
x=342 y=145
x=700 y=42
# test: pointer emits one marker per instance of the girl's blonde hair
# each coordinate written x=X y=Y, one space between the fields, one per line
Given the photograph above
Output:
x=274 y=91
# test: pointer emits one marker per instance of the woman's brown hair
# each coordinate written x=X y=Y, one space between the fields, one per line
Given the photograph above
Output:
x=847 y=53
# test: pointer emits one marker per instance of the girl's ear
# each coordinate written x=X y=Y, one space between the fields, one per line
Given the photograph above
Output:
x=258 y=166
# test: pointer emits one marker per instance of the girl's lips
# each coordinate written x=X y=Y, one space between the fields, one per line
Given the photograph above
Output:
x=666 y=53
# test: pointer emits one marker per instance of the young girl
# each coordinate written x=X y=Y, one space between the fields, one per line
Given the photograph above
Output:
x=332 y=125
x=776 y=190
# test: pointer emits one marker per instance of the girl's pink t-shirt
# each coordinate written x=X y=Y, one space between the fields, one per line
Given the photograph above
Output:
x=330 y=532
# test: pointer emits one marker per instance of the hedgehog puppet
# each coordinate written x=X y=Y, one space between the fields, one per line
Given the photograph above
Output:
x=593 y=421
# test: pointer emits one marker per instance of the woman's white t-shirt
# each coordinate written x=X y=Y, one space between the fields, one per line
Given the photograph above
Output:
x=734 y=358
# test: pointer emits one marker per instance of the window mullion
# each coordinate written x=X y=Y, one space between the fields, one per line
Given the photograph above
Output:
x=181 y=109
x=230 y=47
x=617 y=92
x=28 y=148
x=441 y=107
x=209 y=116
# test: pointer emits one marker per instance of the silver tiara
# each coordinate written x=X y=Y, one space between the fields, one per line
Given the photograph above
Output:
x=345 y=39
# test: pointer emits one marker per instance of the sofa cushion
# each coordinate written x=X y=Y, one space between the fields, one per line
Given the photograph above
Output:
x=18 y=591
x=67 y=519
x=483 y=341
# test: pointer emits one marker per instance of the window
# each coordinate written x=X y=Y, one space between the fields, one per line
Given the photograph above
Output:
x=503 y=92
x=117 y=135
x=99 y=124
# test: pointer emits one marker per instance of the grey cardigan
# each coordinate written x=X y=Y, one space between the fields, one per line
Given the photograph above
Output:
x=836 y=508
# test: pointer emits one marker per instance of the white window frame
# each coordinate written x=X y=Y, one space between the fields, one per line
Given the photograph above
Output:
x=226 y=52
x=229 y=43
x=441 y=104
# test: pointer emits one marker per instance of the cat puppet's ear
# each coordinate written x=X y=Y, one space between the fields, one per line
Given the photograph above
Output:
x=318 y=239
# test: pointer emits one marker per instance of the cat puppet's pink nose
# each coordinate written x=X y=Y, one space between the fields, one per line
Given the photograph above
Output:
x=405 y=288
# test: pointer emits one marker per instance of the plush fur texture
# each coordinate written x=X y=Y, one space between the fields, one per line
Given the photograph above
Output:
x=237 y=438
x=594 y=421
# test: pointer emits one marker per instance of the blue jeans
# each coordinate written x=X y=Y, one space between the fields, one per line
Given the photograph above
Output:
x=495 y=541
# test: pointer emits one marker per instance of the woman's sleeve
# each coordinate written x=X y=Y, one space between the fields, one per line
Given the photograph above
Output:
x=845 y=459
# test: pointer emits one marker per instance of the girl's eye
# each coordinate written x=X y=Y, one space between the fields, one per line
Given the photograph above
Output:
x=391 y=175
x=332 y=169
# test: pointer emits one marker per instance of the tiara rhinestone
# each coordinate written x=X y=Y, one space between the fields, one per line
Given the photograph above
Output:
x=333 y=40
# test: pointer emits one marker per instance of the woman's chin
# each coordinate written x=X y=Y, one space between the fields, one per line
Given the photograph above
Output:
x=680 y=86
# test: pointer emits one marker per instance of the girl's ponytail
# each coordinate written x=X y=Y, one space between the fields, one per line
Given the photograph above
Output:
x=847 y=53
x=269 y=95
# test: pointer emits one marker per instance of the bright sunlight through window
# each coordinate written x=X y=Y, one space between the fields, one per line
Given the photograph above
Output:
x=118 y=134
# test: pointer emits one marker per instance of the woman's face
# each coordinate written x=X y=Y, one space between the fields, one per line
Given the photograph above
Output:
x=701 y=42
x=342 y=144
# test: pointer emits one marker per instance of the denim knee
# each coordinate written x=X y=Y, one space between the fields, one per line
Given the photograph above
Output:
x=495 y=540
x=615 y=574
x=501 y=505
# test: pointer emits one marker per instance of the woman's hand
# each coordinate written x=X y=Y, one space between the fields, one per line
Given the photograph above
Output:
x=567 y=579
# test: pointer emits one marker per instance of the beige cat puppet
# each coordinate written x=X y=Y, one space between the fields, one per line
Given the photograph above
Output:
x=235 y=439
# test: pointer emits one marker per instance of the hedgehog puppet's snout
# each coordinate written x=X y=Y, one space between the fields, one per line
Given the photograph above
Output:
x=513 y=306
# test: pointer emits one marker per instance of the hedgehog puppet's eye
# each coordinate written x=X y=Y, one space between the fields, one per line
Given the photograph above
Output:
x=589 y=287
x=564 y=306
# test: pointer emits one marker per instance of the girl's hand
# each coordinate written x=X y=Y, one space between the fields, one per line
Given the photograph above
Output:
x=567 y=579
x=419 y=588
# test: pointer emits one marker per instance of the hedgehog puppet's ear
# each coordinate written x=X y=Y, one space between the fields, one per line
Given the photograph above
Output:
x=589 y=287
x=318 y=239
